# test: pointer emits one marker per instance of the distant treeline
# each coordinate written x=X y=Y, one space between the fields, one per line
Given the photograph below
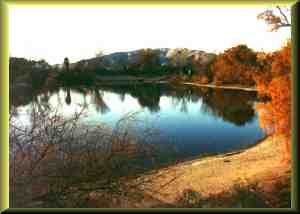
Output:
x=237 y=65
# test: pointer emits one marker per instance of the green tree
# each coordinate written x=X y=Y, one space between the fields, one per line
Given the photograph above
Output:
x=178 y=58
x=66 y=63
x=149 y=59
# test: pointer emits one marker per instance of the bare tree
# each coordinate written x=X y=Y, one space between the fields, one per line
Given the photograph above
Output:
x=278 y=20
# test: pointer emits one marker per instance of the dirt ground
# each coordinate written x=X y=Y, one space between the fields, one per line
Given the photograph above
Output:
x=214 y=176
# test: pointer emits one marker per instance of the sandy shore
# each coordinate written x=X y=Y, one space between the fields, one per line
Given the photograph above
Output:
x=209 y=176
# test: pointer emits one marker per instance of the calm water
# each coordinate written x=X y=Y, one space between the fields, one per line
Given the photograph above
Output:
x=193 y=121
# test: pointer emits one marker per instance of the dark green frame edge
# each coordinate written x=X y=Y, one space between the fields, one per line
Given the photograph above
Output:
x=295 y=96
x=4 y=100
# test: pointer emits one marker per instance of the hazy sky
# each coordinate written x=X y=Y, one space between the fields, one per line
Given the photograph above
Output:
x=53 y=33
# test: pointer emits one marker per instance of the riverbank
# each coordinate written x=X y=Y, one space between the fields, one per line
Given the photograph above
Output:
x=135 y=80
x=127 y=79
x=231 y=87
x=166 y=79
x=254 y=177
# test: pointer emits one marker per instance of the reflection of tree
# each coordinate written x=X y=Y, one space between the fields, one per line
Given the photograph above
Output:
x=184 y=96
x=45 y=97
x=232 y=106
x=99 y=102
x=68 y=97
x=84 y=92
x=58 y=98
x=149 y=97
x=122 y=96
x=195 y=98
x=180 y=101
x=37 y=107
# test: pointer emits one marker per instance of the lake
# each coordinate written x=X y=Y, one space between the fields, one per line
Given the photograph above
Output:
x=188 y=121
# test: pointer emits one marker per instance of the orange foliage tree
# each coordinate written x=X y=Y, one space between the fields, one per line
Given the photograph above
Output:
x=234 y=66
x=263 y=72
x=275 y=116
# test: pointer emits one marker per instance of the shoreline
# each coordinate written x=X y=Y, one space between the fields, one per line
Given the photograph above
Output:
x=215 y=176
x=219 y=173
x=220 y=86
x=139 y=80
x=129 y=80
x=216 y=155
x=237 y=88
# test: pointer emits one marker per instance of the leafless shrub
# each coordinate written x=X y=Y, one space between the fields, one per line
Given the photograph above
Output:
x=56 y=161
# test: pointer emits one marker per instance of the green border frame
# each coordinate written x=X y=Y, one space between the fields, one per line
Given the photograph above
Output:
x=4 y=94
x=4 y=107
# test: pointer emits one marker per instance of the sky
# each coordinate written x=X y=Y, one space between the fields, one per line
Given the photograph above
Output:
x=53 y=33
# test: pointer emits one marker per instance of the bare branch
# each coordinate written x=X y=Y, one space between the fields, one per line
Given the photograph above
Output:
x=287 y=23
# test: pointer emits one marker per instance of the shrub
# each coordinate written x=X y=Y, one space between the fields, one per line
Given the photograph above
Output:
x=57 y=162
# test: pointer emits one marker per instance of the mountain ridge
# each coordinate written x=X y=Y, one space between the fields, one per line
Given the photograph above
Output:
x=118 y=60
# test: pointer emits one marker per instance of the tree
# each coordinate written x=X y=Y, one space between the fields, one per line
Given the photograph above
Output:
x=234 y=66
x=66 y=63
x=41 y=64
x=274 y=80
x=276 y=21
x=148 y=58
x=275 y=116
x=178 y=58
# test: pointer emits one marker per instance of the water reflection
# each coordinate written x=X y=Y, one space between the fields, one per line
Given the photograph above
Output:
x=100 y=105
x=68 y=97
x=148 y=97
x=197 y=120
x=231 y=106
x=235 y=107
